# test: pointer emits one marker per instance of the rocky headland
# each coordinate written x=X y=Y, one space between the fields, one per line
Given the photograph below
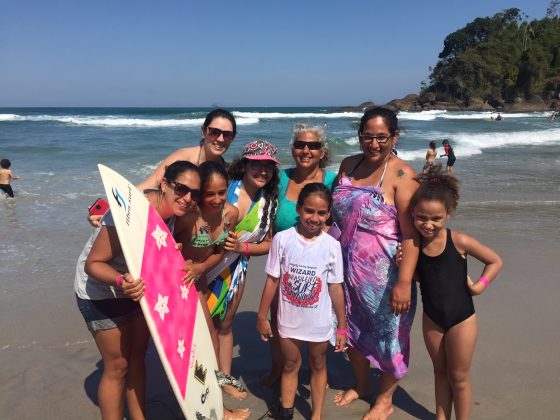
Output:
x=427 y=102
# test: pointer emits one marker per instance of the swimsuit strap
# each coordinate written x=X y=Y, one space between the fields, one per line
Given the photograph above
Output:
x=198 y=158
x=383 y=174
x=356 y=167
x=202 y=238
x=222 y=160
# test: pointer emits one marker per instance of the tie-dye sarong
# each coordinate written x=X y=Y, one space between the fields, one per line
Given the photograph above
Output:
x=370 y=234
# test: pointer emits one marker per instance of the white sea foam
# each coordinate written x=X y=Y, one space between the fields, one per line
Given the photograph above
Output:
x=470 y=144
x=9 y=117
x=295 y=115
x=116 y=121
x=465 y=115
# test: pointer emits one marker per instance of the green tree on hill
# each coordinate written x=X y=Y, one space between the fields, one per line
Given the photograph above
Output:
x=500 y=58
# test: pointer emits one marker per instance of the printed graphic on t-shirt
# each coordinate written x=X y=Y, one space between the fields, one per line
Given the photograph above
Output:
x=301 y=287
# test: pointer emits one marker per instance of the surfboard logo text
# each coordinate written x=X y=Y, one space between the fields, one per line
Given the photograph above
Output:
x=119 y=198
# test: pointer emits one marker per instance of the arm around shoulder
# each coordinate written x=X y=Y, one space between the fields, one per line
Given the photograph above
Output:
x=156 y=177
x=405 y=187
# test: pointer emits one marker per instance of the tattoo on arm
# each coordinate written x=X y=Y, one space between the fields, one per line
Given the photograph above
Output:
x=400 y=173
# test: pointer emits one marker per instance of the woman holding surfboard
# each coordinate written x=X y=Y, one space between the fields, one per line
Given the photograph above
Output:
x=253 y=190
x=107 y=296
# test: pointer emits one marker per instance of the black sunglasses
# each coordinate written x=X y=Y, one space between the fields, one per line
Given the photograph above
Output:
x=181 y=190
x=312 y=145
x=216 y=132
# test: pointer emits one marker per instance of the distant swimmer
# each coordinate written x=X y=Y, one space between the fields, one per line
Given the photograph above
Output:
x=553 y=116
x=450 y=155
x=499 y=117
x=431 y=155
x=6 y=177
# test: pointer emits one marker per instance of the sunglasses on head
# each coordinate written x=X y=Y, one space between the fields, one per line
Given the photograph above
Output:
x=181 y=190
x=214 y=133
x=312 y=145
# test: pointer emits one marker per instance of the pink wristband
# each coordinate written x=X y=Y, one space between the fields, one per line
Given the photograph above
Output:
x=484 y=281
x=246 y=249
x=119 y=280
x=342 y=332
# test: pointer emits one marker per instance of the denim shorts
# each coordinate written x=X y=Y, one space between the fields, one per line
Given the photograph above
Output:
x=106 y=314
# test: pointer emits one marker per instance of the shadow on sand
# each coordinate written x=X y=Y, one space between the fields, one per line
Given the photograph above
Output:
x=250 y=365
x=254 y=361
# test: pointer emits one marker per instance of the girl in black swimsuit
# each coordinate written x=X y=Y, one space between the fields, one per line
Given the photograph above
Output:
x=449 y=322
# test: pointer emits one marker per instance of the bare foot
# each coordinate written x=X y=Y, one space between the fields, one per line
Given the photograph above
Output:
x=235 y=393
x=270 y=379
x=344 y=398
x=237 y=414
x=380 y=411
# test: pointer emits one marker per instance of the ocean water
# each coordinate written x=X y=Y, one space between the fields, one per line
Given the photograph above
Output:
x=510 y=170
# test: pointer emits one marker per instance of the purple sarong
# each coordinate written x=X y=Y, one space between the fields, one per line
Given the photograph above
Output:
x=370 y=234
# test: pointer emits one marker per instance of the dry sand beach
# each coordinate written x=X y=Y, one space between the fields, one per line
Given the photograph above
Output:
x=51 y=367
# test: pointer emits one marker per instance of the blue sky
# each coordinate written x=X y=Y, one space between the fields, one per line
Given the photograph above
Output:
x=232 y=53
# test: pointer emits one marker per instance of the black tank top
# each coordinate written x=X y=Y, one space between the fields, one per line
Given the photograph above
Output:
x=443 y=282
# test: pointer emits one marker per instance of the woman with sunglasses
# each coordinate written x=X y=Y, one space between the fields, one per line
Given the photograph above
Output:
x=107 y=296
x=217 y=131
x=371 y=205
x=311 y=156
x=253 y=189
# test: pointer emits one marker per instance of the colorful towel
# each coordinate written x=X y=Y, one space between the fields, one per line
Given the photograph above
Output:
x=225 y=278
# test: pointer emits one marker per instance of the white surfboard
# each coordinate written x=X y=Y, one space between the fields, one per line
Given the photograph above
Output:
x=172 y=310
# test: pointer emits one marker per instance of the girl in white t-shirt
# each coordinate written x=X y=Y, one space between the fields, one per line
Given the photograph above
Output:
x=307 y=263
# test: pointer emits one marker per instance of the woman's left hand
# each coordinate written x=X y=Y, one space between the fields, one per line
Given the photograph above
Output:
x=400 y=298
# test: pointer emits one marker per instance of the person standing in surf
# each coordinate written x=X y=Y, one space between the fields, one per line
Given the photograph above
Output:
x=371 y=207
x=253 y=189
x=6 y=176
x=431 y=155
x=450 y=153
x=107 y=296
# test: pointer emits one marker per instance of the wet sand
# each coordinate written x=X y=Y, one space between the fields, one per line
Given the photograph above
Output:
x=51 y=366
